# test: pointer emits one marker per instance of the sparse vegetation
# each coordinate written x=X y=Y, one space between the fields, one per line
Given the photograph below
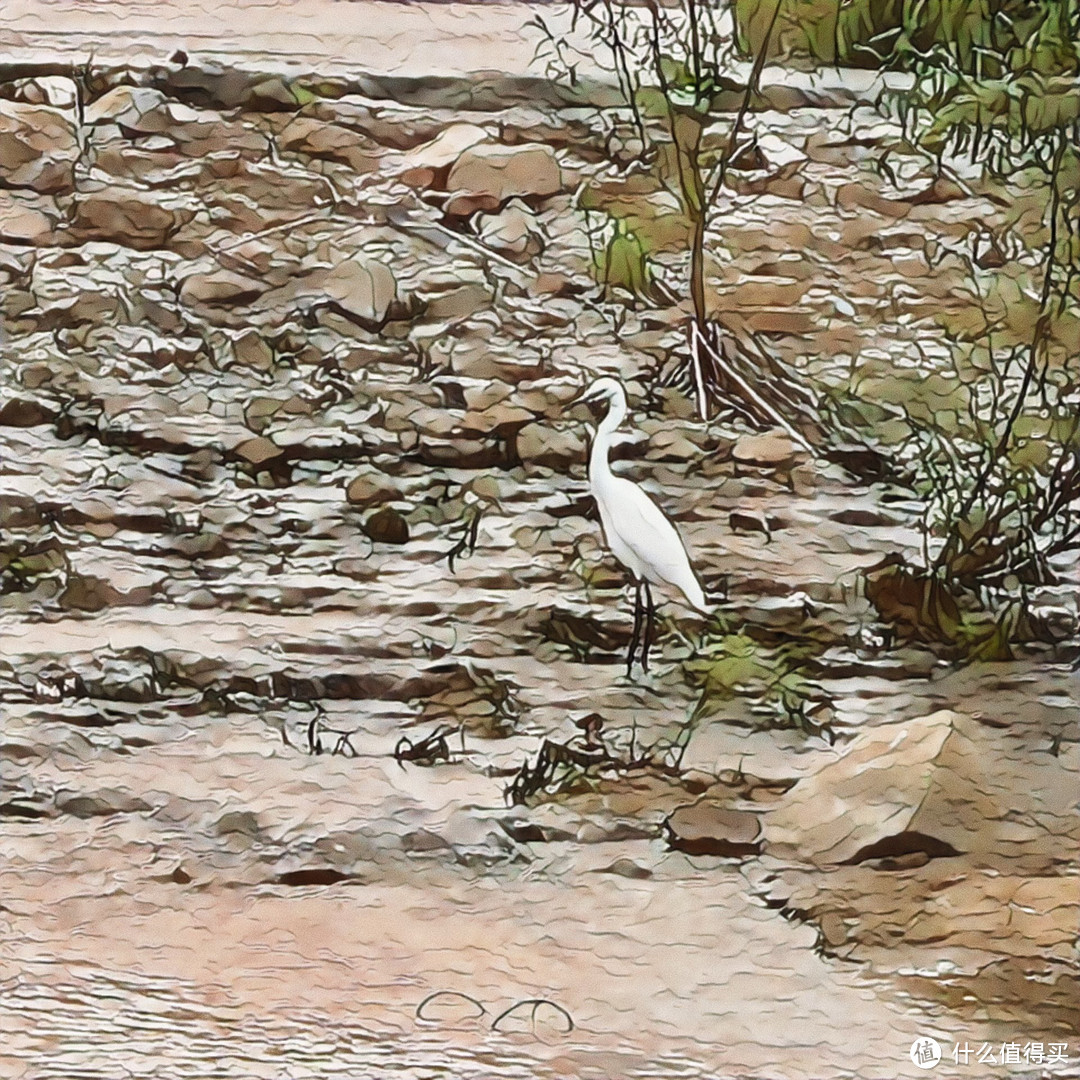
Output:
x=731 y=664
x=674 y=63
x=1000 y=475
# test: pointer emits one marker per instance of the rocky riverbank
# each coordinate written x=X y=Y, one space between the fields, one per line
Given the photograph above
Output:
x=288 y=473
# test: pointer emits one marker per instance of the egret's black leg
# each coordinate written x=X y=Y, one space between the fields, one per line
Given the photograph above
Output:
x=634 y=637
x=650 y=612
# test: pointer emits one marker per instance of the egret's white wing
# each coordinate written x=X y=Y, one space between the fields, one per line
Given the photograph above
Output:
x=640 y=525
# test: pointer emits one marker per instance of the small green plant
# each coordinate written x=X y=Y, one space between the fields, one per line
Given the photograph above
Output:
x=734 y=665
x=623 y=263
x=24 y=564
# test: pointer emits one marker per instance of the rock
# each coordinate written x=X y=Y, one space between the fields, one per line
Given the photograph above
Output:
x=627 y=868
x=853 y=195
x=457 y=301
x=363 y=287
x=120 y=216
x=258 y=451
x=57 y=91
x=220 y=288
x=423 y=841
x=460 y=453
x=476 y=359
x=259 y=410
x=252 y=350
x=103 y=803
x=141 y=109
x=24 y=567
x=22 y=222
x=19 y=512
x=672 y=445
x=779 y=158
x=203 y=545
x=487 y=175
x=329 y=142
x=514 y=231
x=609 y=832
x=750 y=521
x=38 y=148
x=24 y=225
x=387 y=526
x=428 y=166
x=368 y=490
x=268 y=94
x=773 y=450
x=120 y=677
x=919 y=786
x=542 y=445
x=84 y=592
x=706 y=828
x=502 y=418
x=25 y=413
x=916 y=601
x=478 y=841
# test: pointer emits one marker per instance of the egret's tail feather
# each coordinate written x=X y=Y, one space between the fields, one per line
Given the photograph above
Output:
x=696 y=597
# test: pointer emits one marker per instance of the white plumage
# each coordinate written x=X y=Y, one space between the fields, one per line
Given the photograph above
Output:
x=635 y=528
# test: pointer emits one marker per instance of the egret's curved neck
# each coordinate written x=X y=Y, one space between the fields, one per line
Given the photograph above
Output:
x=599 y=463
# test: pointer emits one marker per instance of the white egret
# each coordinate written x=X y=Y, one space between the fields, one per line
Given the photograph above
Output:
x=635 y=528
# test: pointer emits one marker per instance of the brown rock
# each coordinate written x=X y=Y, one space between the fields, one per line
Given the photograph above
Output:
x=220 y=288
x=514 y=231
x=706 y=828
x=87 y=593
x=25 y=223
x=488 y=175
x=750 y=521
x=138 y=108
x=329 y=142
x=940 y=190
x=119 y=216
x=458 y=301
x=23 y=413
x=259 y=450
x=772 y=450
x=365 y=288
x=917 y=786
x=259 y=410
x=103 y=803
x=387 y=526
x=367 y=490
x=543 y=445
x=427 y=166
x=768 y=167
x=854 y=195
x=252 y=350
x=55 y=90
x=38 y=147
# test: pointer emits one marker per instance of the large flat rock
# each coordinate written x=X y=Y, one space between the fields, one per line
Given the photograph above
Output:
x=934 y=786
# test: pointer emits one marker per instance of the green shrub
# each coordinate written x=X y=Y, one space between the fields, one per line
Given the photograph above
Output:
x=870 y=33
